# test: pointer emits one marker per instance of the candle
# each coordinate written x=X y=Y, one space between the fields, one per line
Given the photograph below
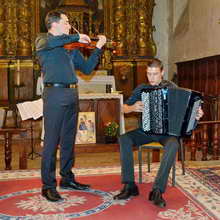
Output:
x=18 y=77
x=18 y=65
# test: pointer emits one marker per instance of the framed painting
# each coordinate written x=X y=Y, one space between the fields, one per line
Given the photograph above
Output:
x=86 y=132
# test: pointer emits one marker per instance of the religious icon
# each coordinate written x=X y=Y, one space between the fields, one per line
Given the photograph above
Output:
x=86 y=128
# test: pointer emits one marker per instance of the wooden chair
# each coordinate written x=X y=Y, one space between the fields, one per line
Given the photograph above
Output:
x=153 y=146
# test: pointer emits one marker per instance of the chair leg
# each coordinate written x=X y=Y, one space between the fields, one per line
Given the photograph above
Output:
x=140 y=163
x=148 y=161
x=5 y=118
x=182 y=155
x=174 y=174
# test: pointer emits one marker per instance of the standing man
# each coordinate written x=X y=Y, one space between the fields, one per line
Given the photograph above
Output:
x=137 y=137
x=60 y=99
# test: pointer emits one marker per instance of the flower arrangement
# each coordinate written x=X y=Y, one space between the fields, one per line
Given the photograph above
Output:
x=111 y=129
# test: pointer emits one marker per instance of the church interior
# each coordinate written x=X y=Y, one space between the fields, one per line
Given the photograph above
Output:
x=181 y=33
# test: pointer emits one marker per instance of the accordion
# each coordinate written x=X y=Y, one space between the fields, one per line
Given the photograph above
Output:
x=169 y=111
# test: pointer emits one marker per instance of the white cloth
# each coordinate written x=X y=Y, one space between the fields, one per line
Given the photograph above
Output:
x=40 y=86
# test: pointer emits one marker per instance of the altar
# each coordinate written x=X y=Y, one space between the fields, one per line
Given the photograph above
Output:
x=102 y=98
x=96 y=94
x=107 y=108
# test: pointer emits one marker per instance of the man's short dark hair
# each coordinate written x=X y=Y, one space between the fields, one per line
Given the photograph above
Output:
x=156 y=63
x=53 y=16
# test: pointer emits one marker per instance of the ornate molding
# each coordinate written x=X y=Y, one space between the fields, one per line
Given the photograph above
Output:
x=17 y=27
x=133 y=29
x=24 y=28
x=2 y=29
x=120 y=27
x=10 y=27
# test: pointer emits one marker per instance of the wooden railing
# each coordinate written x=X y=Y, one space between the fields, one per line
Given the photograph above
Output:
x=206 y=137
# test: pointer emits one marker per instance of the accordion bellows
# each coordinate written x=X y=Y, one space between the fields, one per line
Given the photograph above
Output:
x=169 y=111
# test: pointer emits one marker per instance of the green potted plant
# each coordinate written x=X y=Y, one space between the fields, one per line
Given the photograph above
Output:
x=111 y=131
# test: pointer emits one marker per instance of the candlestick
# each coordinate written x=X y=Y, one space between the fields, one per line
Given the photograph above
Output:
x=18 y=77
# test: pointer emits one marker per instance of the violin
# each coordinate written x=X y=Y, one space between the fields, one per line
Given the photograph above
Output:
x=91 y=45
x=76 y=45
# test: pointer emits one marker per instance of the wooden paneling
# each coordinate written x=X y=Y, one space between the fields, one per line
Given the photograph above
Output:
x=124 y=76
x=202 y=75
x=107 y=111
x=9 y=92
x=129 y=73
x=3 y=81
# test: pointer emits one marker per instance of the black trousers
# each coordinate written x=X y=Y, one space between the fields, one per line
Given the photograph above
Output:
x=60 y=111
x=138 y=137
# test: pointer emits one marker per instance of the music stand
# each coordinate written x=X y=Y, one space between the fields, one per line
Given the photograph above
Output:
x=33 y=154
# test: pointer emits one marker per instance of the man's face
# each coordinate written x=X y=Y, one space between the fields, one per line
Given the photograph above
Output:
x=63 y=26
x=154 y=75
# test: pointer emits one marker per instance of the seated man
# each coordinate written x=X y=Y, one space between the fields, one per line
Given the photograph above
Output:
x=137 y=137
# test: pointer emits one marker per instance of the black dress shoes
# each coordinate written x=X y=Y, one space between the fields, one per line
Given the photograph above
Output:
x=127 y=192
x=73 y=185
x=51 y=195
x=156 y=197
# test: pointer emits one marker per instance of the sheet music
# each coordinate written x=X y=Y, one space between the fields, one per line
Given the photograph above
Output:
x=31 y=109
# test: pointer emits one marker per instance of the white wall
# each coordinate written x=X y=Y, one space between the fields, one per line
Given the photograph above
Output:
x=167 y=15
x=186 y=30
x=160 y=21
x=178 y=8
x=202 y=32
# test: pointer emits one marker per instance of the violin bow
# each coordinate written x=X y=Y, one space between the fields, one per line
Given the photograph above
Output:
x=75 y=30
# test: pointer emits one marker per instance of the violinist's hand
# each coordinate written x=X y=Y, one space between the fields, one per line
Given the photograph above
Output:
x=101 y=42
x=83 y=38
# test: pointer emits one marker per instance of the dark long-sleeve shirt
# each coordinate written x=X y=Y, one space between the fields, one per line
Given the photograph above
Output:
x=57 y=64
x=136 y=94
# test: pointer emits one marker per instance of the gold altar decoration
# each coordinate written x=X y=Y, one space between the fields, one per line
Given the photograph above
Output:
x=133 y=30
x=79 y=15
x=133 y=33
x=120 y=27
x=127 y=22
x=24 y=28
x=10 y=27
x=17 y=27
x=2 y=30
x=144 y=36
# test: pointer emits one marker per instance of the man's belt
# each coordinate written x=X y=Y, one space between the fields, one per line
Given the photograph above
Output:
x=61 y=85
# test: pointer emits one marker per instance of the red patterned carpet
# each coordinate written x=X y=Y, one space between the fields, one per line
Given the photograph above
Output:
x=190 y=200
x=209 y=176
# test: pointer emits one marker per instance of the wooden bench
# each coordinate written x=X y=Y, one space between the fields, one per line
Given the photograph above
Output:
x=8 y=133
